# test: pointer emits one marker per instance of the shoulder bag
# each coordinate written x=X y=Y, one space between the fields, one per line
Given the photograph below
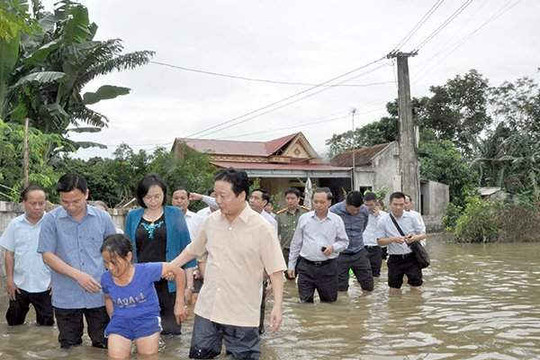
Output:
x=420 y=253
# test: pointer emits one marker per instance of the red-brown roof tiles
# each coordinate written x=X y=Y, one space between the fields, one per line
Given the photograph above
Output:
x=362 y=156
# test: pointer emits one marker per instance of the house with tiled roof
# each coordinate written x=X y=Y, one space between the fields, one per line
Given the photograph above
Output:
x=280 y=163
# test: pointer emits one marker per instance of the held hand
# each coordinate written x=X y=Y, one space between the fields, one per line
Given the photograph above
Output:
x=399 y=240
x=410 y=238
x=275 y=318
x=329 y=250
x=88 y=283
x=180 y=312
x=291 y=274
x=195 y=197
x=169 y=276
x=12 y=290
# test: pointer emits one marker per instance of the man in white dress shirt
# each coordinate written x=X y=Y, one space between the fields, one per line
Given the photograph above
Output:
x=401 y=260
x=319 y=238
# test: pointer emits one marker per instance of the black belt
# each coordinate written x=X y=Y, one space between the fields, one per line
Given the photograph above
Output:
x=401 y=256
x=318 y=263
x=371 y=246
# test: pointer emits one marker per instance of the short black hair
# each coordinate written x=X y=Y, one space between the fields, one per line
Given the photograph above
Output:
x=145 y=184
x=294 y=191
x=408 y=196
x=70 y=182
x=237 y=178
x=354 y=198
x=181 y=188
x=264 y=194
x=369 y=196
x=325 y=190
x=117 y=244
x=397 y=195
x=28 y=189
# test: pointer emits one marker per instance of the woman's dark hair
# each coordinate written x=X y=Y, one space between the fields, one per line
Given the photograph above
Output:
x=238 y=179
x=354 y=198
x=397 y=195
x=117 y=244
x=145 y=184
x=70 y=182
x=294 y=191
x=369 y=196
x=28 y=189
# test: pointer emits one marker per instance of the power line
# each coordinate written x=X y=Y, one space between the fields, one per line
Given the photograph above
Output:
x=237 y=77
x=306 y=124
x=444 y=24
x=497 y=14
x=288 y=97
x=420 y=22
x=283 y=105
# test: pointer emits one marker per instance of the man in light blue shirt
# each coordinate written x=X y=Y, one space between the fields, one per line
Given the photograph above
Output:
x=70 y=239
x=319 y=238
x=355 y=217
x=401 y=260
x=27 y=277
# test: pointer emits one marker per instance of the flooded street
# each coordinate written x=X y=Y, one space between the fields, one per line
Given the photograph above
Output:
x=478 y=302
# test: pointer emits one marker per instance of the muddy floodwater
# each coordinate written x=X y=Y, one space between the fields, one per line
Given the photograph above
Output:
x=478 y=302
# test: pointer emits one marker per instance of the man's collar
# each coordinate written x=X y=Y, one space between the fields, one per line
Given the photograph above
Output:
x=318 y=218
x=244 y=215
x=90 y=210
x=25 y=219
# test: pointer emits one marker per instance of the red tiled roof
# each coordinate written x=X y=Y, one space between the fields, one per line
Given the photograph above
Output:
x=274 y=145
x=231 y=147
x=362 y=156
x=268 y=166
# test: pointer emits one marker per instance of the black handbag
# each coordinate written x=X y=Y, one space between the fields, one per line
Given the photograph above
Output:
x=420 y=253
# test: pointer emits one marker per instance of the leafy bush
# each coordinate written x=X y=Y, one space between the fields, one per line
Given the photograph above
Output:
x=453 y=212
x=479 y=221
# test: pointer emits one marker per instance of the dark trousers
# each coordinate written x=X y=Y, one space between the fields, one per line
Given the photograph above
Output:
x=374 y=254
x=263 y=307
x=320 y=276
x=400 y=265
x=166 y=304
x=242 y=342
x=18 y=308
x=361 y=268
x=286 y=252
x=71 y=326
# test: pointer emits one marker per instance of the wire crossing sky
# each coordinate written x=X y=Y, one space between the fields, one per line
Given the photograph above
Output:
x=247 y=70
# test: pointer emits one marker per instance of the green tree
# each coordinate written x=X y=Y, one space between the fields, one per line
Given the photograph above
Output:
x=56 y=63
x=441 y=161
x=458 y=110
x=11 y=156
x=509 y=155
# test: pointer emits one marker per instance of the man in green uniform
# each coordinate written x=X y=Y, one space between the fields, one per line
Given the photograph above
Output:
x=287 y=219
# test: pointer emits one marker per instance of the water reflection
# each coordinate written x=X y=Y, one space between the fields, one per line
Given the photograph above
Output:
x=478 y=302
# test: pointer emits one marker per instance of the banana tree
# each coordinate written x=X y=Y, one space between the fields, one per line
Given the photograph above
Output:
x=55 y=64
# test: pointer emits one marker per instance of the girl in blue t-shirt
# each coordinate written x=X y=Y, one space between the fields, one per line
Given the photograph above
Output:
x=131 y=299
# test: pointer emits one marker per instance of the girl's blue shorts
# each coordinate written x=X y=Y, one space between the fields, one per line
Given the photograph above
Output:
x=133 y=328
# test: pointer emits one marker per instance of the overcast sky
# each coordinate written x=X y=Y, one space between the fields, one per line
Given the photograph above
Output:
x=308 y=41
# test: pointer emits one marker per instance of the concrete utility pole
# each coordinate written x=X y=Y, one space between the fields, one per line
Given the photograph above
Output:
x=408 y=154
x=353 y=112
